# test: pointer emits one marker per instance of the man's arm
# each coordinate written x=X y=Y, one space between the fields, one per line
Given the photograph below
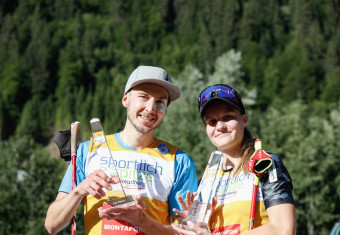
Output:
x=60 y=212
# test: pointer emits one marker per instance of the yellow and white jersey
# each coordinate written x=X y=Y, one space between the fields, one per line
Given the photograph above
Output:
x=158 y=173
x=234 y=194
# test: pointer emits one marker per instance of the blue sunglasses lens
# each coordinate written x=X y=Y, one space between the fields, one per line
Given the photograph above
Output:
x=219 y=90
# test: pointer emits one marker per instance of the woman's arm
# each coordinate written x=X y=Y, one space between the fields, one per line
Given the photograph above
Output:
x=282 y=220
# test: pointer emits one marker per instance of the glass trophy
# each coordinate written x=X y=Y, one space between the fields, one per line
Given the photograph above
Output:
x=117 y=196
x=200 y=210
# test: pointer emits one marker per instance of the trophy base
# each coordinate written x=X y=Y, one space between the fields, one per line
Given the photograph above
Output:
x=122 y=201
x=199 y=214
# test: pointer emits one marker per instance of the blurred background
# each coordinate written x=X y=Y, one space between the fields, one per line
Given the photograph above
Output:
x=67 y=60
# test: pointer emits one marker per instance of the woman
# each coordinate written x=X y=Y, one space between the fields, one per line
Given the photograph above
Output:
x=226 y=122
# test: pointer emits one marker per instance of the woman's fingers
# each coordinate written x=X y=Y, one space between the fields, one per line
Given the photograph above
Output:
x=180 y=213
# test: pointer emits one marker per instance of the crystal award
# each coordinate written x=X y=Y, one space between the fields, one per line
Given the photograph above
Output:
x=200 y=210
x=117 y=197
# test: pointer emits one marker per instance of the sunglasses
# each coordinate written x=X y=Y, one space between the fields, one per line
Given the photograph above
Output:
x=222 y=91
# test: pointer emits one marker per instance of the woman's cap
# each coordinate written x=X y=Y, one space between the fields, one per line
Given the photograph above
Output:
x=220 y=92
x=155 y=75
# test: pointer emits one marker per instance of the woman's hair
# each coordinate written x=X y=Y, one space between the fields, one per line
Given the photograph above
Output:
x=246 y=152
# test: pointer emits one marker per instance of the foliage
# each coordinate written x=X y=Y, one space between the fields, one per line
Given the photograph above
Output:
x=55 y=51
x=28 y=182
x=309 y=147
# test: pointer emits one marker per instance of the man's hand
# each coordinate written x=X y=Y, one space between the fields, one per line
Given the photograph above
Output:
x=134 y=214
x=94 y=184
x=63 y=208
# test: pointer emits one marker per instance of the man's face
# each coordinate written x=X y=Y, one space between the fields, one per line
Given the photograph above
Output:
x=146 y=105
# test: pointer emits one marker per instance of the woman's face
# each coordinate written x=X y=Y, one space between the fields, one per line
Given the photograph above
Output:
x=225 y=126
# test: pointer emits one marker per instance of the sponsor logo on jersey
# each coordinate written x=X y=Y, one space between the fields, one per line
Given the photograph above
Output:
x=272 y=175
x=163 y=149
x=228 y=229
x=228 y=183
x=134 y=174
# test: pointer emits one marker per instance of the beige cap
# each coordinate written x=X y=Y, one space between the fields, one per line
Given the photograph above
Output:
x=155 y=75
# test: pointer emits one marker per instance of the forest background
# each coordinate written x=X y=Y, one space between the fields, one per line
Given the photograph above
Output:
x=67 y=60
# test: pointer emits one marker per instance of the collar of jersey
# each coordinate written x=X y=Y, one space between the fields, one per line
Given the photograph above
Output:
x=121 y=143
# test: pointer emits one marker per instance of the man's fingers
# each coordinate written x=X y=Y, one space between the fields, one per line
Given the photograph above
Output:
x=109 y=214
x=94 y=188
x=95 y=183
x=114 y=215
x=140 y=202
x=100 y=173
x=101 y=192
x=101 y=181
x=94 y=193
x=113 y=180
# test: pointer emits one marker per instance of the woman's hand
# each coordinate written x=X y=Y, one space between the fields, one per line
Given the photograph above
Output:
x=185 y=204
x=195 y=229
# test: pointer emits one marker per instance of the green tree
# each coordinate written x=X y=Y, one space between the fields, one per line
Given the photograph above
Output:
x=228 y=70
x=10 y=77
x=271 y=84
x=29 y=182
x=308 y=146
x=36 y=119
x=330 y=93
x=38 y=56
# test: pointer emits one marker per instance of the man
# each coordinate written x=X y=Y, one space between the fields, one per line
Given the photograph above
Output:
x=153 y=170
